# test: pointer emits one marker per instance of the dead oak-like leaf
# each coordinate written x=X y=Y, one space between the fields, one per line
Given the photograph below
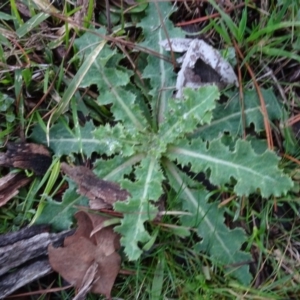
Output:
x=101 y=193
x=27 y=156
x=10 y=184
x=90 y=263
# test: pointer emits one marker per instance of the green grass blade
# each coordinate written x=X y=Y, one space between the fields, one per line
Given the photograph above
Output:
x=226 y=18
x=15 y=12
x=157 y=282
x=256 y=35
x=50 y=177
x=74 y=84
x=32 y=23
x=276 y=52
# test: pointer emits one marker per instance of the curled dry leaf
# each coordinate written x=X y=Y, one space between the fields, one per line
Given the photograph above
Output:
x=27 y=156
x=198 y=50
x=89 y=278
x=88 y=263
x=101 y=193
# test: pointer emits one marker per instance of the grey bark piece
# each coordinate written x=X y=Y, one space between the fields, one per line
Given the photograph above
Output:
x=22 y=234
x=26 y=252
x=16 y=254
x=10 y=185
x=13 y=281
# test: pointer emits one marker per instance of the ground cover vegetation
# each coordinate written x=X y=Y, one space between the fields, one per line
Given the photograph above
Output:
x=202 y=189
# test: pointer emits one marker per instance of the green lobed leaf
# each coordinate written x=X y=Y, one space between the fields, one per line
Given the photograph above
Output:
x=60 y=214
x=183 y=116
x=111 y=84
x=114 y=77
x=114 y=169
x=64 y=141
x=250 y=170
x=111 y=81
x=116 y=139
x=89 y=41
x=138 y=209
x=222 y=244
x=228 y=117
x=159 y=71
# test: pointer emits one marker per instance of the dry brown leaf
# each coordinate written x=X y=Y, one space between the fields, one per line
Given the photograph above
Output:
x=27 y=156
x=84 y=229
x=10 y=184
x=101 y=193
x=88 y=263
x=109 y=267
x=73 y=261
